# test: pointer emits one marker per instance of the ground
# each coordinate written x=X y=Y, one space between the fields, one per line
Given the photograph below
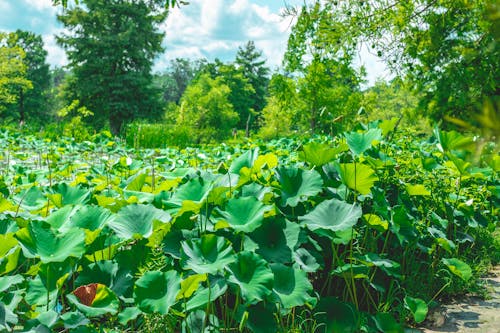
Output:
x=470 y=315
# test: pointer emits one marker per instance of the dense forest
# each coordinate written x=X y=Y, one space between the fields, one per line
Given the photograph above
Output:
x=216 y=196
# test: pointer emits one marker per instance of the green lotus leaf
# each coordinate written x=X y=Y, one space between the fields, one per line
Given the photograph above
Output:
x=358 y=177
x=417 y=189
x=260 y=318
x=385 y=322
x=337 y=316
x=135 y=220
x=244 y=214
x=252 y=274
x=375 y=222
x=31 y=199
x=67 y=195
x=40 y=293
x=453 y=140
x=136 y=182
x=297 y=185
x=360 y=142
x=197 y=321
x=195 y=190
x=388 y=266
x=417 y=307
x=89 y=217
x=208 y=254
x=458 y=267
x=319 y=154
x=290 y=285
x=47 y=318
x=246 y=159
x=104 y=302
x=272 y=241
x=9 y=253
x=128 y=314
x=39 y=240
x=8 y=281
x=74 y=319
x=157 y=291
x=191 y=284
x=305 y=261
x=203 y=296
x=333 y=214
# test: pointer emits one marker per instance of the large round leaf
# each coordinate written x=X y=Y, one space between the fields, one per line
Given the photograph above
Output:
x=272 y=241
x=357 y=176
x=337 y=316
x=458 y=267
x=38 y=240
x=360 y=142
x=334 y=215
x=89 y=217
x=157 y=291
x=135 y=220
x=253 y=275
x=208 y=254
x=67 y=195
x=417 y=307
x=244 y=214
x=290 y=285
x=297 y=185
x=94 y=300
x=203 y=296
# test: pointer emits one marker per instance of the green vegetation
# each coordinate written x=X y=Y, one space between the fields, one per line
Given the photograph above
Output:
x=364 y=231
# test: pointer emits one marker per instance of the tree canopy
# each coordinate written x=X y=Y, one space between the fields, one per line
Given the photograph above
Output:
x=111 y=46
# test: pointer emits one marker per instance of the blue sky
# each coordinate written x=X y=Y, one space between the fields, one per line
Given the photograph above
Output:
x=205 y=28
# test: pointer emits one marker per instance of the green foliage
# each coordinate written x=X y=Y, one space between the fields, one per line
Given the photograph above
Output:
x=111 y=47
x=206 y=109
x=13 y=69
x=448 y=49
x=359 y=232
x=32 y=103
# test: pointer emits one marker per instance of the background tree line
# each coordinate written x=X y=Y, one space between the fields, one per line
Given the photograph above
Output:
x=444 y=56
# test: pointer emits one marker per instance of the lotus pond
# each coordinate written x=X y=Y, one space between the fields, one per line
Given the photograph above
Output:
x=363 y=232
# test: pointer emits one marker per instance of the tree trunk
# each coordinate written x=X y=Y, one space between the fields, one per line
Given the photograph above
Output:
x=21 y=107
x=247 y=127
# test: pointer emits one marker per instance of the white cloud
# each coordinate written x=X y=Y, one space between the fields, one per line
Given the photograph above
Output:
x=56 y=55
x=40 y=4
x=216 y=28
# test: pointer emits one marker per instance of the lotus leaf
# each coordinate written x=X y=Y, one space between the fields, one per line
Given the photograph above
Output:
x=208 y=254
x=244 y=214
x=290 y=285
x=157 y=291
x=297 y=185
x=333 y=214
x=38 y=240
x=253 y=275
x=358 y=177
x=135 y=220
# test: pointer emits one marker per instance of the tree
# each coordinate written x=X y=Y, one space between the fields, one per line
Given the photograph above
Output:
x=177 y=77
x=205 y=107
x=12 y=72
x=249 y=62
x=111 y=47
x=283 y=108
x=32 y=101
x=449 y=49
x=327 y=81
x=241 y=91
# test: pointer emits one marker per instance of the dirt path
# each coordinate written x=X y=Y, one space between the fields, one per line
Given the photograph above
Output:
x=472 y=315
